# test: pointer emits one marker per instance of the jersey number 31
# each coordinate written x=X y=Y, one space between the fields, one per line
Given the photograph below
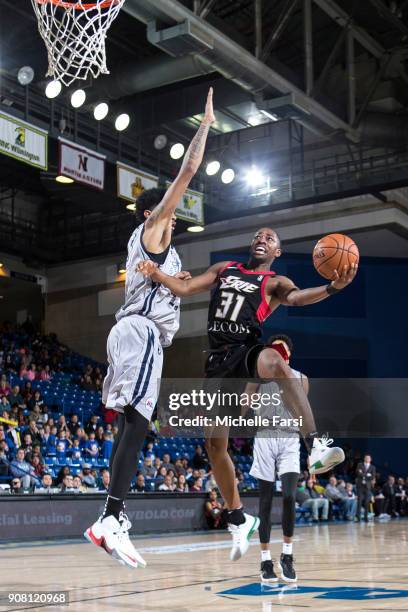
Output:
x=230 y=305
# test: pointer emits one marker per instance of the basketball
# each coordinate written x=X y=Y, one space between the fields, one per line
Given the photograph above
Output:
x=333 y=252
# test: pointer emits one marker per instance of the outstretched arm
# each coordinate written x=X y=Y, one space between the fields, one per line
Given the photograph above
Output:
x=159 y=221
x=199 y=284
x=288 y=294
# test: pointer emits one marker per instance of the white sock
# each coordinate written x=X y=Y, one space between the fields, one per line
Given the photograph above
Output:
x=287 y=548
x=266 y=555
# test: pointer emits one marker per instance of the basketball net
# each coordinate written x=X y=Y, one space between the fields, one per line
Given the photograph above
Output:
x=75 y=35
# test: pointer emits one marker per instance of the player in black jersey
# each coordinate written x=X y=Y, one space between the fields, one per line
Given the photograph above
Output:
x=243 y=297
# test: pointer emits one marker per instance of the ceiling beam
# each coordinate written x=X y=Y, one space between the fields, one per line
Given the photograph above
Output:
x=343 y=19
x=241 y=66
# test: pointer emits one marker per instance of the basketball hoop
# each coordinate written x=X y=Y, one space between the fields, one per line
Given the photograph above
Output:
x=75 y=36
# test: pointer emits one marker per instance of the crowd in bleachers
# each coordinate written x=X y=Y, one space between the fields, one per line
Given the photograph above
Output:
x=56 y=437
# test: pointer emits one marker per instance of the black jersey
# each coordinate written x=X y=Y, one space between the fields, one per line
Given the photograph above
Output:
x=238 y=306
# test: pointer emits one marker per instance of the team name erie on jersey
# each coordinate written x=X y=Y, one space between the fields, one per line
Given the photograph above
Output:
x=234 y=282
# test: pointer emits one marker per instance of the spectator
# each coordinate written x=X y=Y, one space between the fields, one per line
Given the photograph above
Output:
x=197 y=486
x=104 y=481
x=168 y=484
x=167 y=462
x=5 y=404
x=147 y=470
x=365 y=475
x=99 y=435
x=92 y=424
x=157 y=465
x=3 y=460
x=179 y=467
x=36 y=400
x=4 y=388
x=91 y=447
x=34 y=432
x=73 y=424
x=336 y=496
x=37 y=466
x=401 y=497
x=352 y=502
x=19 y=468
x=75 y=451
x=62 y=424
x=64 y=471
x=45 y=484
x=199 y=461
x=35 y=414
x=213 y=511
x=181 y=486
x=140 y=486
x=160 y=476
x=210 y=483
x=15 y=487
x=52 y=440
x=15 y=396
x=107 y=445
x=88 y=478
x=309 y=499
x=78 y=485
x=389 y=491
x=87 y=384
x=67 y=484
x=45 y=373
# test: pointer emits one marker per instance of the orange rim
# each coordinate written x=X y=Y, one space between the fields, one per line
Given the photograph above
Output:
x=78 y=6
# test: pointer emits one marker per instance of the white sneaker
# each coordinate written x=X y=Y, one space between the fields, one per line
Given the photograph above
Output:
x=113 y=536
x=322 y=458
x=241 y=534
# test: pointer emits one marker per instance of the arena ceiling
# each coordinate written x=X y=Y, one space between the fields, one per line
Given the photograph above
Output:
x=334 y=74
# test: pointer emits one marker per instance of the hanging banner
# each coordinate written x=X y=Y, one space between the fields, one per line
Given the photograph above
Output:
x=191 y=206
x=23 y=141
x=132 y=182
x=81 y=164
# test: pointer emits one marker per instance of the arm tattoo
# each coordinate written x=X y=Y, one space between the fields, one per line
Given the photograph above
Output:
x=196 y=147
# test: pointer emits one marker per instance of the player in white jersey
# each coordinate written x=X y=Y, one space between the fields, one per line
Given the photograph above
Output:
x=146 y=322
x=277 y=453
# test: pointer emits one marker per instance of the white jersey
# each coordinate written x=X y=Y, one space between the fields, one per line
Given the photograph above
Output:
x=280 y=410
x=147 y=298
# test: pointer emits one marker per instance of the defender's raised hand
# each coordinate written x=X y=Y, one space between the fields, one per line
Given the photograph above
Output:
x=209 y=116
x=347 y=276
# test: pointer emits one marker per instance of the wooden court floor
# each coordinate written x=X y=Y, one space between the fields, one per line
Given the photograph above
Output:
x=340 y=567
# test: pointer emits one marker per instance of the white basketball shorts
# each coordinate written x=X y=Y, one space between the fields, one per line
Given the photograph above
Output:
x=274 y=457
x=135 y=358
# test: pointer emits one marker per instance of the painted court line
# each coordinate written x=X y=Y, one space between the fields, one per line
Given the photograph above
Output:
x=194 y=546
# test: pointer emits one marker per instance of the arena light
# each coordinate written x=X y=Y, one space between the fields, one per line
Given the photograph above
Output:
x=177 y=151
x=121 y=267
x=100 y=111
x=66 y=180
x=228 y=176
x=122 y=122
x=254 y=177
x=160 y=142
x=213 y=167
x=131 y=207
x=25 y=75
x=195 y=229
x=1 y=264
x=78 y=98
x=53 y=89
